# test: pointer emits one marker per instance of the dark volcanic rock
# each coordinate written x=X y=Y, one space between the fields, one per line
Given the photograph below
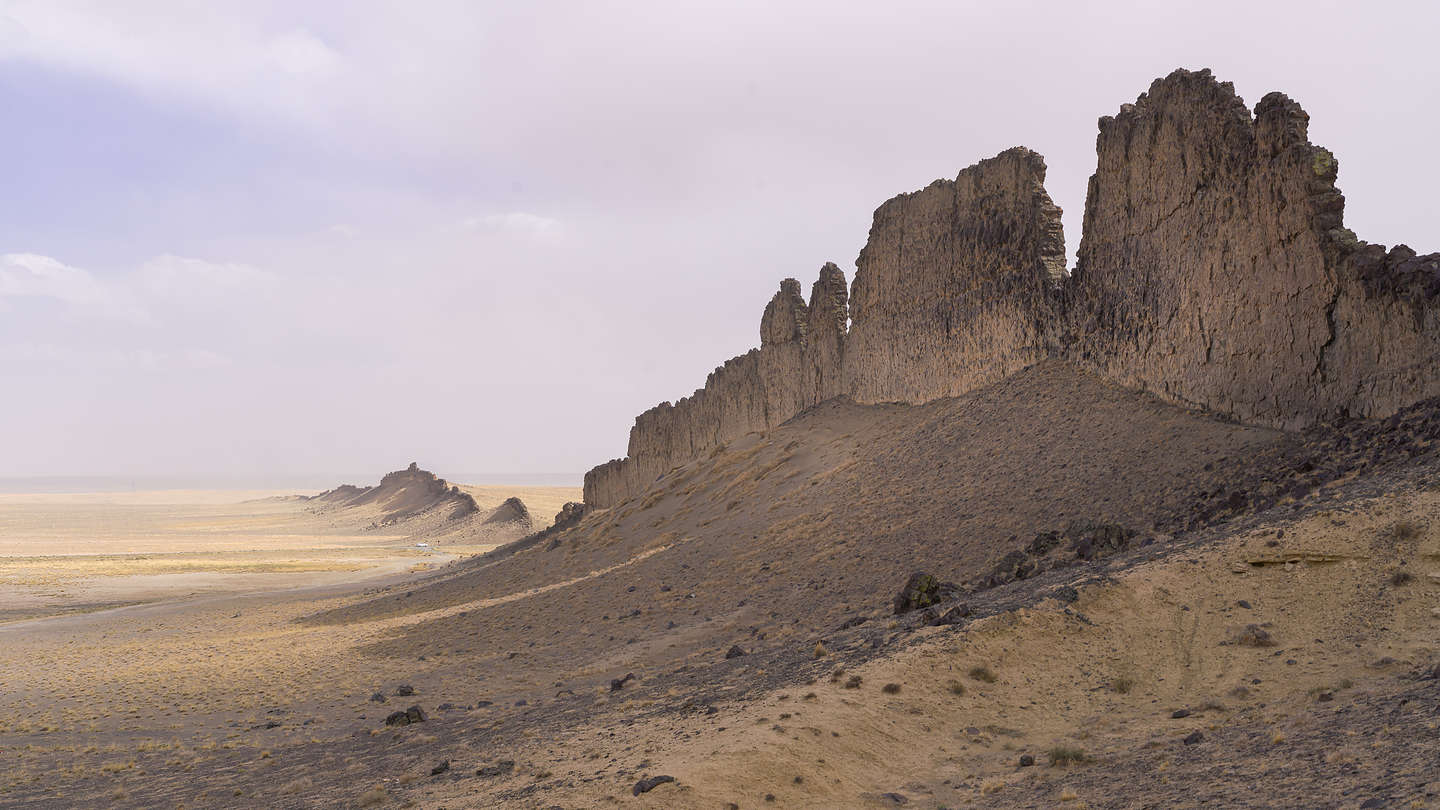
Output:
x=500 y=768
x=414 y=714
x=923 y=590
x=650 y=783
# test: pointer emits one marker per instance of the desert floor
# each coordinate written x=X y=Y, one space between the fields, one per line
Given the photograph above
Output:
x=1268 y=637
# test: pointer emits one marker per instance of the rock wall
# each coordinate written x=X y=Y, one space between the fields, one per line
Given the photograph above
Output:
x=1214 y=270
x=953 y=287
x=796 y=366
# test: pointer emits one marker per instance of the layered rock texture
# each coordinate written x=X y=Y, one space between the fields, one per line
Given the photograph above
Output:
x=1215 y=268
x=1214 y=271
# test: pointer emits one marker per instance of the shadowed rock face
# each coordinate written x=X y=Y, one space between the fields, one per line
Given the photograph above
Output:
x=1214 y=270
x=951 y=290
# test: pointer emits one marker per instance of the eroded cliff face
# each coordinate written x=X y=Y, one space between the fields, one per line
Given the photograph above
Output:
x=1214 y=270
x=953 y=288
x=796 y=366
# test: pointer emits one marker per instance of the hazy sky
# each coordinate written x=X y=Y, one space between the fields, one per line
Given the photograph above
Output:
x=296 y=237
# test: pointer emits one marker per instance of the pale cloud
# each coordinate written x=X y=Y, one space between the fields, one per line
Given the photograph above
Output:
x=518 y=222
x=155 y=292
x=56 y=357
x=234 y=60
x=171 y=276
x=30 y=275
x=301 y=53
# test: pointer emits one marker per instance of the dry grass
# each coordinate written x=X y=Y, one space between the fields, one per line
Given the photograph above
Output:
x=1064 y=756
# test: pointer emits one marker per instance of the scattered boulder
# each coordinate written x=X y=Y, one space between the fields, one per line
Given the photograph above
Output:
x=1252 y=635
x=1092 y=541
x=956 y=615
x=378 y=697
x=1026 y=760
x=616 y=684
x=404 y=690
x=735 y=651
x=923 y=590
x=1179 y=713
x=1015 y=565
x=500 y=768
x=1194 y=737
x=650 y=783
x=441 y=768
x=414 y=714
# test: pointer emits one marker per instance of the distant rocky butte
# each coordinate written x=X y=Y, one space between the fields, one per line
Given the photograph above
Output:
x=1214 y=270
x=405 y=493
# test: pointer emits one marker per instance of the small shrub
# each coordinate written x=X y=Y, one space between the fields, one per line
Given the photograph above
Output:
x=983 y=673
x=853 y=682
x=891 y=689
x=1253 y=635
x=820 y=651
x=1063 y=756
x=370 y=798
x=956 y=688
x=1401 y=578
x=1405 y=530
x=1122 y=685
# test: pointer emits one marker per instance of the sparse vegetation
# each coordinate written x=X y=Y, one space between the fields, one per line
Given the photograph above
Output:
x=956 y=688
x=1404 y=530
x=1122 y=685
x=1064 y=756
x=891 y=689
x=983 y=674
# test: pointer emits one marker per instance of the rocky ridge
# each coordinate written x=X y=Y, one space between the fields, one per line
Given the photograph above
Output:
x=1214 y=271
x=405 y=493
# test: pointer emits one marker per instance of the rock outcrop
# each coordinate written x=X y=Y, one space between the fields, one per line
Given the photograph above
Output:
x=953 y=288
x=404 y=493
x=1214 y=270
x=797 y=365
x=513 y=510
